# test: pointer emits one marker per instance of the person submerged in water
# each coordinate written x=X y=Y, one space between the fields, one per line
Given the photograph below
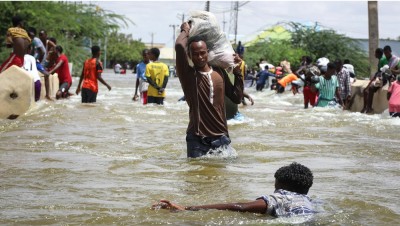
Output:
x=292 y=183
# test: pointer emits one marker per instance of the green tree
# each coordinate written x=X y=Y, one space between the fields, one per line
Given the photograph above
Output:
x=311 y=41
x=122 y=48
x=71 y=23
x=327 y=43
x=273 y=51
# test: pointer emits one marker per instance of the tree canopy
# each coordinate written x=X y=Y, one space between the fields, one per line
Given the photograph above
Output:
x=76 y=26
x=311 y=41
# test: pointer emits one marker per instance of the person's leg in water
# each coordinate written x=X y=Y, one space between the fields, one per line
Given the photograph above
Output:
x=143 y=97
x=63 y=91
x=370 y=98
x=195 y=147
x=38 y=89
x=198 y=146
x=306 y=94
x=365 y=99
x=160 y=100
x=394 y=114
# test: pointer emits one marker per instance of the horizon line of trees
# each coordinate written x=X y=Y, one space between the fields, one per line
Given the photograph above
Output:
x=76 y=26
x=313 y=42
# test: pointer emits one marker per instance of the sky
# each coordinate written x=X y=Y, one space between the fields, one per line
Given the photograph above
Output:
x=154 y=19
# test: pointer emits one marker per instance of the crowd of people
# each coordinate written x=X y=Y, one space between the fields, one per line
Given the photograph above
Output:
x=207 y=90
x=42 y=54
x=325 y=83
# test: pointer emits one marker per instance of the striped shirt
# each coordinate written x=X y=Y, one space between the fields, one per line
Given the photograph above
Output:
x=327 y=89
x=344 y=83
x=286 y=204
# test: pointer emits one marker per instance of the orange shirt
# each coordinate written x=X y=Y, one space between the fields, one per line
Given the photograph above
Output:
x=91 y=68
x=287 y=79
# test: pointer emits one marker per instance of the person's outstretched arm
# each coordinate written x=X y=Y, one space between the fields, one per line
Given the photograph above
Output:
x=182 y=63
x=59 y=64
x=102 y=81
x=248 y=97
x=78 y=88
x=257 y=206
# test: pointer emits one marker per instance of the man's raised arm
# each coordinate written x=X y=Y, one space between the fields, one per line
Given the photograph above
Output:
x=180 y=48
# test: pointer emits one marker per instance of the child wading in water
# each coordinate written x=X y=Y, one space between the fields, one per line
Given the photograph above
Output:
x=290 y=198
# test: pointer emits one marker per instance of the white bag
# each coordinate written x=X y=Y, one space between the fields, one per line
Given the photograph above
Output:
x=220 y=49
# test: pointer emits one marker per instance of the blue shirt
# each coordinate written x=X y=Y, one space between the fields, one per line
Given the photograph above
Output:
x=262 y=76
x=141 y=70
x=284 y=203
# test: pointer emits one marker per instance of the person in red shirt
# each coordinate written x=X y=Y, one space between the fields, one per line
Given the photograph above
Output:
x=91 y=72
x=64 y=76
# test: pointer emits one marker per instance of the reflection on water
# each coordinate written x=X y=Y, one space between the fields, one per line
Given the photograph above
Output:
x=107 y=163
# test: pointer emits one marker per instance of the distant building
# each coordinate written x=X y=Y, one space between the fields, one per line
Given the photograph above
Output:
x=167 y=54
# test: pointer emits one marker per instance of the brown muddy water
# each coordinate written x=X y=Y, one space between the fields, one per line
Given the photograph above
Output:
x=64 y=163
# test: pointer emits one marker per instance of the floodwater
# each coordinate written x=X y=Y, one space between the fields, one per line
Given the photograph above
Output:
x=64 y=163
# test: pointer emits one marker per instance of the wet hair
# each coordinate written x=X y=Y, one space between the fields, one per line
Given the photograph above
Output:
x=379 y=51
x=16 y=20
x=387 y=48
x=54 y=40
x=59 y=49
x=42 y=32
x=295 y=177
x=155 y=52
x=308 y=59
x=95 y=50
x=196 y=38
x=145 y=51
x=32 y=30
x=330 y=65
x=338 y=63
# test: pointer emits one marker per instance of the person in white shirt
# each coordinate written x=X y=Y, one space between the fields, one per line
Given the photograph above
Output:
x=117 y=68
x=30 y=66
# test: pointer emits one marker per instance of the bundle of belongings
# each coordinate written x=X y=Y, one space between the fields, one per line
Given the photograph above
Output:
x=205 y=24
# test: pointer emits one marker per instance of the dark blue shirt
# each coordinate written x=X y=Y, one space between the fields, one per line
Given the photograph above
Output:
x=263 y=76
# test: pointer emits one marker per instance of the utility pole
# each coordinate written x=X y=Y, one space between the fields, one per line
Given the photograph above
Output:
x=233 y=23
x=173 y=40
x=207 y=8
x=105 y=52
x=181 y=16
x=152 y=38
x=236 y=18
x=373 y=30
x=223 y=22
